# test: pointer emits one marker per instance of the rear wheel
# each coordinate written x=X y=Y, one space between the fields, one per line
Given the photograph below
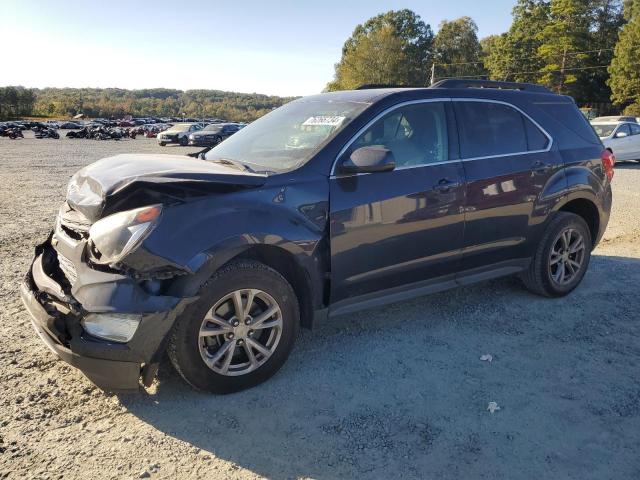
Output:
x=162 y=144
x=239 y=333
x=562 y=257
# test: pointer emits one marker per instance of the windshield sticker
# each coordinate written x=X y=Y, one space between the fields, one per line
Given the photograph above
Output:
x=321 y=120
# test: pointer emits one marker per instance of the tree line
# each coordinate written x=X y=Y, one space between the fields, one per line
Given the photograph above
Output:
x=115 y=103
x=589 y=49
x=16 y=102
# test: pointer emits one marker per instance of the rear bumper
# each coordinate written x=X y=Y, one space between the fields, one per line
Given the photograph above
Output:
x=56 y=315
x=605 y=213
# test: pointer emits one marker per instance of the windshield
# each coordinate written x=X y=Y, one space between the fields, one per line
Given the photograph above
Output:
x=180 y=127
x=287 y=137
x=604 y=130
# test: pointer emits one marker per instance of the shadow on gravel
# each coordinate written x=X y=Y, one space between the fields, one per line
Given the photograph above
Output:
x=401 y=392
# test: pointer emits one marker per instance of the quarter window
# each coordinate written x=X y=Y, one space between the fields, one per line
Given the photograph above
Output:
x=536 y=140
x=635 y=129
x=489 y=129
x=416 y=134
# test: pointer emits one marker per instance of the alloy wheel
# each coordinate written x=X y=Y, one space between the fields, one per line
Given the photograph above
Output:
x=567 y=256
x=240 y=332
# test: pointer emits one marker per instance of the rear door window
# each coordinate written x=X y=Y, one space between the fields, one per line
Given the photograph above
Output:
x=489 y=129
x=635 y=129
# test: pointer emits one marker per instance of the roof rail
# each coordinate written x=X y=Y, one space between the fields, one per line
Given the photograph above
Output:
x=465 y=83
x=370 y=86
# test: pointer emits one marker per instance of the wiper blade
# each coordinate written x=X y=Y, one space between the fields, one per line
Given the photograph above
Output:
x=234 y=163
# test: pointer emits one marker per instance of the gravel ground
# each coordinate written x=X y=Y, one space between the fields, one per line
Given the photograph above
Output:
x=395 y=393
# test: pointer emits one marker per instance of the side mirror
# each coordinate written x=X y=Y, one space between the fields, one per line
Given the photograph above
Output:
x=621 y=134
x=372 y=159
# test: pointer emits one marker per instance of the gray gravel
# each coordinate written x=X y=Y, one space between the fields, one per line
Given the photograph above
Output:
x=394 y=393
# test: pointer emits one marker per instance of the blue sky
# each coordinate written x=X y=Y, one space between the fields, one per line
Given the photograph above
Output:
x=278 y=47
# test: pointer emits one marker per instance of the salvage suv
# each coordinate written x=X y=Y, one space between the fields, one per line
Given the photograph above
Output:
x=397 y=193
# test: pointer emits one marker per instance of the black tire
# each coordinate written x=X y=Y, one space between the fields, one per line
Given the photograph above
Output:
x=162 y=144
x=184 y=343
x=218 y=140
x=184 y=141
x=539 y=277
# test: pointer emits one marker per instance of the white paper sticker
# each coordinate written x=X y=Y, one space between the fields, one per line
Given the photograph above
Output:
x=331 y=121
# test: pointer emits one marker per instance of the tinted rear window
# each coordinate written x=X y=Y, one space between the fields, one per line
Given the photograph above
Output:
x=489 y=129
x=571 y=118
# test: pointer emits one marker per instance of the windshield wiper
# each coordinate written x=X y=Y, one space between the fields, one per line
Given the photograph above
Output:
x=234 y=163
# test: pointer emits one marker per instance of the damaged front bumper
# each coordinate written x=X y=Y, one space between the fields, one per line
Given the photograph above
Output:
x=60 y=289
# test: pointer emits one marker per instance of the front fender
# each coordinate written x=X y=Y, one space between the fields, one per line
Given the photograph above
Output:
x=197 y=237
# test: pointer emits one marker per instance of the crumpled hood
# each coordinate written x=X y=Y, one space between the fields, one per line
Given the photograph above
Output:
x=91 y=187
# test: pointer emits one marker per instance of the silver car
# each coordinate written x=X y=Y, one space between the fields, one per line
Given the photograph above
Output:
x=178 y=133
x=623 y=138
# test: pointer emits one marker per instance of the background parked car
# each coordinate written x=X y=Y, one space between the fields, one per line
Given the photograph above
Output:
x=213 y=134
x=179 y=133
x=614 y=118
x=622 y=138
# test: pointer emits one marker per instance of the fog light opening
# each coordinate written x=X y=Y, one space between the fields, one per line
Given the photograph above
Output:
x=116 y=327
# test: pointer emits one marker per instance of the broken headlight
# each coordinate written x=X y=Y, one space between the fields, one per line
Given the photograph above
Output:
x=114 y=237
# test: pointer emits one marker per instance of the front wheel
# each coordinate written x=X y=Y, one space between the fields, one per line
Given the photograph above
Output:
x=239 y=333
x=184 y=141
x=562 y=257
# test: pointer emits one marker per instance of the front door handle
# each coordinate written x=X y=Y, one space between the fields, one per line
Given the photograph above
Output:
x=445 y=185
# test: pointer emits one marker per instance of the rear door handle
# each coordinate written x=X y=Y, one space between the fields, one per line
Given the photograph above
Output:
x=445 y=185
x=540 y=166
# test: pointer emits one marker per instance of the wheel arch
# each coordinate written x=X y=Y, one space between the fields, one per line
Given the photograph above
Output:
x=285 y=263
x=588 y=211
x=291 y=266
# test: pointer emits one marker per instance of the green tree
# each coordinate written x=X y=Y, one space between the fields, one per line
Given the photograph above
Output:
x=625 y=66
x=457 y=49
x=403 y=29
x=378 y=58
x=606 y=17
x=565 y=35
x=514 y=55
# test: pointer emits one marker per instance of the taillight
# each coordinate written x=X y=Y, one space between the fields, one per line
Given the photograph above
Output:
x=608 y=162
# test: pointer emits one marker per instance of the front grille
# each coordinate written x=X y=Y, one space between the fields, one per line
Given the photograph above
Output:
x=68 y=268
